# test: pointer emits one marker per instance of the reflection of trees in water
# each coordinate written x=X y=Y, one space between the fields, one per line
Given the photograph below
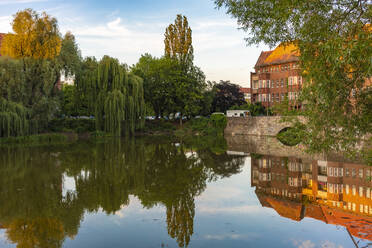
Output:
x=36 y=214
x=43 y=233
x=180 y=219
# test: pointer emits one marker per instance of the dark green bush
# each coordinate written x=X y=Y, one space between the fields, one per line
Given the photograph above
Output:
x=76 y=125
x=289 y=136
x=159 y=125
x=215 y=125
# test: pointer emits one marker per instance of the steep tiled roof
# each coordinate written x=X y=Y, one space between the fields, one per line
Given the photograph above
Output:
x=262 y=58
x=2 y=35
x=282 y=54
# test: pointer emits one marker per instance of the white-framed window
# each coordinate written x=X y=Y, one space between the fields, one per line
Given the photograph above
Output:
x=360 y=191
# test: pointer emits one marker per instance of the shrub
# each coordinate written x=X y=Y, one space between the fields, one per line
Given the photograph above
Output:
x=289 y=136
x=76 y=125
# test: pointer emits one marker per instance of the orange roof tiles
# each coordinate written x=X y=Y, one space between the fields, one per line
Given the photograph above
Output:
x=262 y=58
x=284 y=53
x=359 y=226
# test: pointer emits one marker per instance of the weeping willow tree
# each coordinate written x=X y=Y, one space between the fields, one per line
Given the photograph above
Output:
x=13 y=119
x=114 y=96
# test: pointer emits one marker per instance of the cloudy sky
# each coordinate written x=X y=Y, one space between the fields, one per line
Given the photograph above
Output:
x=126 y=29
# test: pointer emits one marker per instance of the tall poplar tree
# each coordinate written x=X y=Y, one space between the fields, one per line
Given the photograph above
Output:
x=178 y=41
x=190 y=81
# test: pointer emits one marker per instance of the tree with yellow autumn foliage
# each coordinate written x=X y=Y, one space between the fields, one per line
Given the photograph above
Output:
x=35 y=36
x=34 y=57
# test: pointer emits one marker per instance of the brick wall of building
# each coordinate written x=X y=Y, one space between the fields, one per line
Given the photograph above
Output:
x=277 y=77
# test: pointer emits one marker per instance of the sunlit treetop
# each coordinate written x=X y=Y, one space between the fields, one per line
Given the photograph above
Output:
x=178 y=41
x=34 y=36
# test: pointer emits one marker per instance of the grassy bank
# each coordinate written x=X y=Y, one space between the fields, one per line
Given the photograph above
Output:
x=64 y=131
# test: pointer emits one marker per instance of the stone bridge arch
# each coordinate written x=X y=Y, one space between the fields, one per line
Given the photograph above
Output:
x=259 y=125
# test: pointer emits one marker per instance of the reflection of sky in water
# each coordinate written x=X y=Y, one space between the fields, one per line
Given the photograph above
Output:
x=228 y=214
x=3 y=240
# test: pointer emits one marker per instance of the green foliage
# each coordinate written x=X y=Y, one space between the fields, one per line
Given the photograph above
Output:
x=255 y=109
x=227 y=95
x=168 y=87
x=178 y=42
x=159 y=82
x=69 y=104
x=30 y=83
x=215 y=125
x=70 y=55
x=13 y=119
x=159 y=125
x=72 y=125
x=114 y=95
x=334 y=41
x=289 y=136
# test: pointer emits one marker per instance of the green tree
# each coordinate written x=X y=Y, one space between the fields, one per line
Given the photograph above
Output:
x=334 y=41
x=70 y=55
x=227 y=95
x=178 y=41
x=113 y=94
x=158 y=76
x=30 y=78
x=190 y=80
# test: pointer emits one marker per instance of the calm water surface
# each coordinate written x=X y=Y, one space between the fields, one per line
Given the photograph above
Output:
x=162 y=193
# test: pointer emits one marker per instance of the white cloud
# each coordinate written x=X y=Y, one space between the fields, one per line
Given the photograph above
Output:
x=219 y=48
x=303 y=244
x=5 y=26
x=329 y=244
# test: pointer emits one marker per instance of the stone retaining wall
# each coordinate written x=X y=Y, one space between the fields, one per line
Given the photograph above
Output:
x=260 y=125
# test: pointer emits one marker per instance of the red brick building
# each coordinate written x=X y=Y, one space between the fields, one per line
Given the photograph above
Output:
x=247 y=94
x=276 y=76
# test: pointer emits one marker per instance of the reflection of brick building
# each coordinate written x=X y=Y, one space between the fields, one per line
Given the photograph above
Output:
x=277 y=76
x=332 y=192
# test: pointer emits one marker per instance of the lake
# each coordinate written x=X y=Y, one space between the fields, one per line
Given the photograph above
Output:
x=160 y=192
